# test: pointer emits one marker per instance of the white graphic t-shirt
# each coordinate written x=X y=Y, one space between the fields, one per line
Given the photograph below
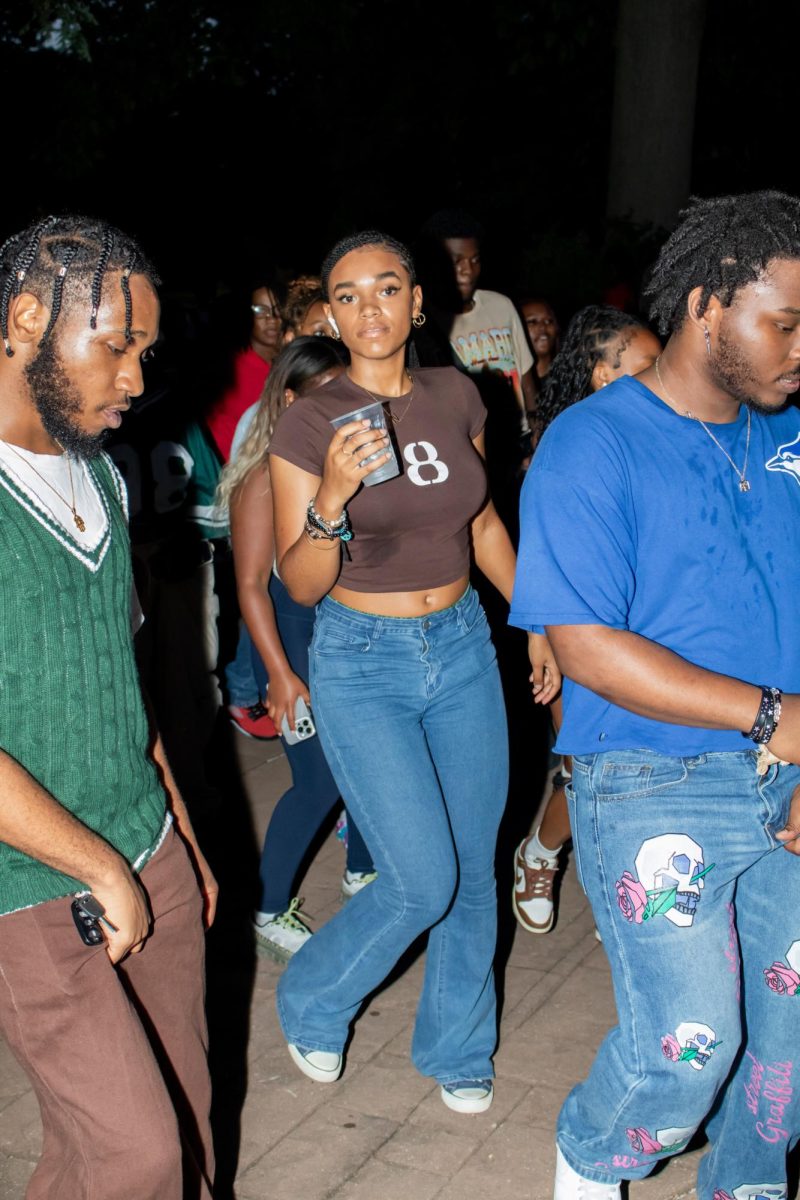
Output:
x=491 y=337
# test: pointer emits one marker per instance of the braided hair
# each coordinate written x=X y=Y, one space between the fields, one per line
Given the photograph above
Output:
x=721 y=245
x=60 y=259
x=360 y=241
x=595 y=334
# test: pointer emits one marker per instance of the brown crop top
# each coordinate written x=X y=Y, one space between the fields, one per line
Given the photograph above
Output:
x=411 y=532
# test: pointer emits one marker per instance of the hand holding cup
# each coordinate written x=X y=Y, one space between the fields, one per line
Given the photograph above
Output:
x=346 y=466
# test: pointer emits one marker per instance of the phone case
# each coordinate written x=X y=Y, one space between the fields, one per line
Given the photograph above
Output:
x=304 y=727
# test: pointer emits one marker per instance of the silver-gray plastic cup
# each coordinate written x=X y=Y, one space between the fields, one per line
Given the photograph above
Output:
x=376 y=416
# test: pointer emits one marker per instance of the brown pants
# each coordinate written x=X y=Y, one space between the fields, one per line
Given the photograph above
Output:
x=117 y=1055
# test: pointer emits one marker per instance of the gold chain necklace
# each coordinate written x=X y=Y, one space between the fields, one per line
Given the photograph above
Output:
x=744 y=485
x=394 y=419
x=77 y=518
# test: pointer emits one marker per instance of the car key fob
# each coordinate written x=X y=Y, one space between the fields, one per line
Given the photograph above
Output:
x=86 y=913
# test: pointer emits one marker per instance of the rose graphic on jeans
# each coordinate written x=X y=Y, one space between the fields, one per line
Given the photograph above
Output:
x=783 y=978
x=632 y=898
x=663 y=1141
x=670 y=1047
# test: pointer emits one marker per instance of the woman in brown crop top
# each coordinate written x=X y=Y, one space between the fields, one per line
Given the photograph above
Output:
x=404 y=682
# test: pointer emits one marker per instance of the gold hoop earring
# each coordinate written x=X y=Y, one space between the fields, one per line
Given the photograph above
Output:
x=419 y=320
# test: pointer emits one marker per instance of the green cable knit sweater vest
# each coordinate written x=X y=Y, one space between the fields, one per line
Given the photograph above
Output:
x=71 y=711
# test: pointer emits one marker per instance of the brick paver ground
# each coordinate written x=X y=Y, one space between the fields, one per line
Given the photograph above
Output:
x=381 y=1133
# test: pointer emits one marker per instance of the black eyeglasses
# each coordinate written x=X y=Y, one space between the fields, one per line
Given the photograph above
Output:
x=264 y=310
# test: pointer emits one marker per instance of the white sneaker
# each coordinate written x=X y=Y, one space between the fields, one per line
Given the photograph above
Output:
x=468 y=1095
x=281 y=936
x=532 y=897
x=570 y=1185
x=355 y=881
x=319 y=1065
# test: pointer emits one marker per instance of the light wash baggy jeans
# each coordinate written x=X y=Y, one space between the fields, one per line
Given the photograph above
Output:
x=412 y=721
x=698 y=906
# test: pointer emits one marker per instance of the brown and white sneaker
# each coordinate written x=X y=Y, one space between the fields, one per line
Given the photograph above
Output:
x=532 y=898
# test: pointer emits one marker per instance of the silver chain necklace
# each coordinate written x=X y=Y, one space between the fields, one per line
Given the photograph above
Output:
x=744 y=485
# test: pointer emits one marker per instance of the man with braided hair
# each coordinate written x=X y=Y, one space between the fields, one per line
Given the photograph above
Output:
x=661 y=550
x=109 y=1023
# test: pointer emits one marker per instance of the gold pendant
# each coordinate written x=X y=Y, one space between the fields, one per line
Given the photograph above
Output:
x=79 y=521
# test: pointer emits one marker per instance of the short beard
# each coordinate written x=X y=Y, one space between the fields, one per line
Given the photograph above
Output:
x=58 y=403
x=732 y=371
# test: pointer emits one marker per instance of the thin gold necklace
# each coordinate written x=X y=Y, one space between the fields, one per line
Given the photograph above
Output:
x=394 y=419
x=77 y=518
x=744 y=485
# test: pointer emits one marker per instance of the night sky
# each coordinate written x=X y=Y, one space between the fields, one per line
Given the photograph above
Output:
x=235 y=138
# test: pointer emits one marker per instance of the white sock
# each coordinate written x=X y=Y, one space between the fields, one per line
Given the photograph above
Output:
x=261 y=918
x=534 y=849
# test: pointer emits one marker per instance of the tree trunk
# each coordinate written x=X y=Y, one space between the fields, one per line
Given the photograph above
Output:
x=657 y=53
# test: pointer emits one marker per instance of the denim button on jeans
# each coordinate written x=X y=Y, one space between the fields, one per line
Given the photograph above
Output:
x=698 y=906
x=411 y=717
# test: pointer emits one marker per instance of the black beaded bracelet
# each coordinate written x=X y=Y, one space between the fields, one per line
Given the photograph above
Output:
x=329 y=527
x=767 y=717
x=340 y=528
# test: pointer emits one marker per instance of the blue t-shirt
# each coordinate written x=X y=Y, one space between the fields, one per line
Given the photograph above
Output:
x=631 y=517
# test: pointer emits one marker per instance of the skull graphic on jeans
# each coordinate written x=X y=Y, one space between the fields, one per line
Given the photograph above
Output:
x=692 y=1042
x=754 y=1191
x=671 y=870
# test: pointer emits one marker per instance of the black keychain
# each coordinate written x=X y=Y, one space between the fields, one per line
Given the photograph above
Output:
x=87 y=913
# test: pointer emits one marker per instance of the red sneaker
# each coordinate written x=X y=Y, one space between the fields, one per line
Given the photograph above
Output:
x=253 y=722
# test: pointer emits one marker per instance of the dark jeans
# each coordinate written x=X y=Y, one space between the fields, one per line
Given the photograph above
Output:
x=300 y=811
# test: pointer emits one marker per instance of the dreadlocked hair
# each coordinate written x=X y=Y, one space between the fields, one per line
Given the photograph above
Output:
x=297 y=367
x=301 y=294
x=721 y=245
x=59 y=259
x=360 y=241
x=595 y=334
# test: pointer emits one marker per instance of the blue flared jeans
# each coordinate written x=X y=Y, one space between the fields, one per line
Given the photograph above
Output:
x=411 y=717
x=698 y=906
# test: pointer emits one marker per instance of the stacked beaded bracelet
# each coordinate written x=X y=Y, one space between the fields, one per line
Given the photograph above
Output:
x=317 y=527
x=767 y=717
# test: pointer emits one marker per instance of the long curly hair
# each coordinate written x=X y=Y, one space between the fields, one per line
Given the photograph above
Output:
x=595 y=334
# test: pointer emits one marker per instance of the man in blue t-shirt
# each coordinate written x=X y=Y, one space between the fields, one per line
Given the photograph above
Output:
x=660 y=548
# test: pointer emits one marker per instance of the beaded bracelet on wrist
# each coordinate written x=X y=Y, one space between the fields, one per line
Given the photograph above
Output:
x=767 y=717
x=330 y=527
x=322 y=529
